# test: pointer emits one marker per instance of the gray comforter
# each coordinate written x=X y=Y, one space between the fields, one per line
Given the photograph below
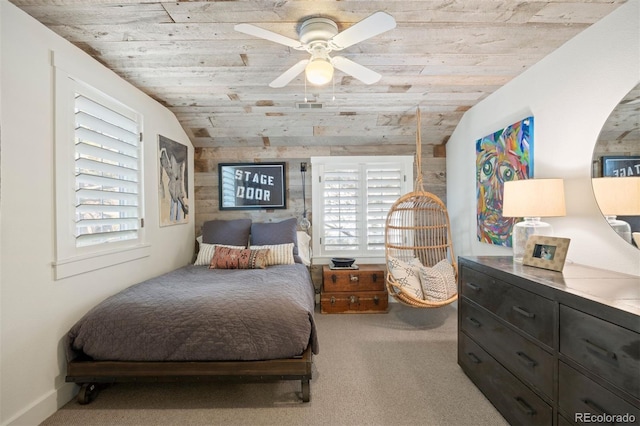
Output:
x=198 y=314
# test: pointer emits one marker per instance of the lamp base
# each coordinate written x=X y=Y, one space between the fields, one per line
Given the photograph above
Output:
x=522 y=231
x=621 y=227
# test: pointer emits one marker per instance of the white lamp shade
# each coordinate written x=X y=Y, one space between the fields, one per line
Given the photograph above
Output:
x=319 y=71
x=533 y=198
x=618 y=196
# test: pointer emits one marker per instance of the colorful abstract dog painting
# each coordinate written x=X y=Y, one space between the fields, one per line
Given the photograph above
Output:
x=501 y=156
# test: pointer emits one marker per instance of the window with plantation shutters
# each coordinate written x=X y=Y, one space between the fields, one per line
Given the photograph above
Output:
x=351 y=199
x=107 y=174
x=98 y=179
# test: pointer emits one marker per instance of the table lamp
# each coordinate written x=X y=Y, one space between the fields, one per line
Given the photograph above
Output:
x=532 y=199
x=618 y=196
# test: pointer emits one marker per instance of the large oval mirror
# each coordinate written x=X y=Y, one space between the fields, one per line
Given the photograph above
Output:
x=616 y=168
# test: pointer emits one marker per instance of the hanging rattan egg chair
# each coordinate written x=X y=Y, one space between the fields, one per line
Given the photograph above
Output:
x=418 y=229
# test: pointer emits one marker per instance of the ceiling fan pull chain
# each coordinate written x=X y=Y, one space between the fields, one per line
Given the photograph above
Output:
x=305 y=90
x=333 y=97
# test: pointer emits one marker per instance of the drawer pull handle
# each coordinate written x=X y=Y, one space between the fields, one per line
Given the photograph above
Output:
x=527 y=361
x=474 y=358
x=526 y=408
x=353 y=278
x=375 y=277
x=474 y=287
x=602 y=351
x=474 y=322
x=334 y=278
x=523 y=312
x=595 y=407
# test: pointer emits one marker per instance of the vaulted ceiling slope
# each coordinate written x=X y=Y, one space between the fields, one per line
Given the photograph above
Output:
x=443 y=55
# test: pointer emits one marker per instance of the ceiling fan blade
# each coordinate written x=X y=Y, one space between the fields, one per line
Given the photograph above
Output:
x=356 y=70
x=371 y=26
x=286 y=77
x=267 y=35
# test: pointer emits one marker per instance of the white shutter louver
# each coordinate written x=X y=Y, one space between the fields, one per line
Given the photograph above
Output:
x=107 y=174
x=341 y=209
x=384 y=187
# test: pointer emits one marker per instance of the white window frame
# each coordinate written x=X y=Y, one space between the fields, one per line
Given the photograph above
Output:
x=70 y=259
x=318 y=167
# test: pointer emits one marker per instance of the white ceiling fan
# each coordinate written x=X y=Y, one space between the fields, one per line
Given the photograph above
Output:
x=319 y=37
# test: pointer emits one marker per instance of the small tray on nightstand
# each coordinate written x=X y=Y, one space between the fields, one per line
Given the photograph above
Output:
x=334 y=267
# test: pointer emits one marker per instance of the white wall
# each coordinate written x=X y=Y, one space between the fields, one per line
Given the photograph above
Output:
x=570 y=93
x=36 y=311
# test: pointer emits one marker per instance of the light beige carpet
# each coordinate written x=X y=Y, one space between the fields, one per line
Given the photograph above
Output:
x=398 y=368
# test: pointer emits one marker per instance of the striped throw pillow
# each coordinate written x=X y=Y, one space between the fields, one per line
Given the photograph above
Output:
x=279 y=254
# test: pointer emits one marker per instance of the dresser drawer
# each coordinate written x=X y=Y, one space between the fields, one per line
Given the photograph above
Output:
x=605 y=349
x=515 y=401
x=367 y=278
x=583 y=400
x=527 y=311
x=562 y=421
x=522 y=357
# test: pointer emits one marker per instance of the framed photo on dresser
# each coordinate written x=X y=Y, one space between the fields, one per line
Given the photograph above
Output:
x=546 y=252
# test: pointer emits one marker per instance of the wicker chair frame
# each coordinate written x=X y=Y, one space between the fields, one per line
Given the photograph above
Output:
x=418 y=226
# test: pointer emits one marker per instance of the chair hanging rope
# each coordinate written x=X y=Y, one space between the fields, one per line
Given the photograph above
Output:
x=418 y=186
x=421 y=266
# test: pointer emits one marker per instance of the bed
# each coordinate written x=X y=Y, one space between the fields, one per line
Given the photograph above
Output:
x=201 y=322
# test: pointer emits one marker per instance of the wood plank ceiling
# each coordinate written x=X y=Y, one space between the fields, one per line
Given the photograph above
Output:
x=444 y=56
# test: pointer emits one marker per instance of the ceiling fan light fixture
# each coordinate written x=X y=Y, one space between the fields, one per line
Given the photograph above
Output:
x=320 y=36
x=319 y=71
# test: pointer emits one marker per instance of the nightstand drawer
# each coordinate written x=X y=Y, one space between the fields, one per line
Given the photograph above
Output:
x=605 y=349
x=521 y=356
x=583 y=397
x=517 y=403
x=527 y=311
x=366 y=278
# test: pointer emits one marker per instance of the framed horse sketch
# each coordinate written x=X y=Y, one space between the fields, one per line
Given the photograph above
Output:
x=173 y=184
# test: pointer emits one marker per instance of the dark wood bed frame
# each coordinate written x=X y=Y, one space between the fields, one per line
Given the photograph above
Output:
x=91 y=375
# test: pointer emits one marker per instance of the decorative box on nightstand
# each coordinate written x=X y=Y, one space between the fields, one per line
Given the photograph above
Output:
x=359 y=290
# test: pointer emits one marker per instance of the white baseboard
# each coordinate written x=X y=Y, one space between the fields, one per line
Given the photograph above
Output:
x=41 y=409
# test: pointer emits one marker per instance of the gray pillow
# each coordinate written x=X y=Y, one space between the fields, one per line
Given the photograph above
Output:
x=283 y=232
x=228 y=232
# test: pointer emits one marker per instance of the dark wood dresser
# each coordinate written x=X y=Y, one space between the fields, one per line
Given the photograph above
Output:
x=551 y=348
x=359 y=290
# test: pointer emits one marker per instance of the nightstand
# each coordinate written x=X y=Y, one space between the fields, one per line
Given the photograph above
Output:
x=359 y=290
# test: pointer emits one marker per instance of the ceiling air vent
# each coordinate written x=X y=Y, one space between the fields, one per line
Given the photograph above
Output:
x=308 y=105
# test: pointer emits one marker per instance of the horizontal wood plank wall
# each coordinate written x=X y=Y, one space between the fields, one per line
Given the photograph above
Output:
x=206 y=176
